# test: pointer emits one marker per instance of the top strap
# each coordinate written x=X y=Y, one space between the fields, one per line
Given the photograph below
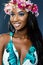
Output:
x=11 y=34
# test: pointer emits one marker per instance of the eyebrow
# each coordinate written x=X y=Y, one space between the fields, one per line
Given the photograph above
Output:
x=18 y=12
x=21 y=11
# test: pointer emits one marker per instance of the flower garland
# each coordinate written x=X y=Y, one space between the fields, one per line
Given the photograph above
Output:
x=22 y=4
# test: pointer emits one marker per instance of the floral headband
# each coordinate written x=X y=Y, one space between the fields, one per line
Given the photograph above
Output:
x=22 y=4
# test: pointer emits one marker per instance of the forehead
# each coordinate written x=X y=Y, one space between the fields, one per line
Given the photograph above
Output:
x=16 y=10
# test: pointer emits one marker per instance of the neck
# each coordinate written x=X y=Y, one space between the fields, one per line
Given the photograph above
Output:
x=21 y=33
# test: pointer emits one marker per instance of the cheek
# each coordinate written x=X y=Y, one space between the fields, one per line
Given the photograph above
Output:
x=11 y=18
x=23 y=20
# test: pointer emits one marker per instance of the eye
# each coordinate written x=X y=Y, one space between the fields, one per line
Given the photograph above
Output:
x=12 y=13
x=21 y=13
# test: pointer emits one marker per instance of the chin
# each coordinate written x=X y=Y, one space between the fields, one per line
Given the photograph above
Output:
x=17 y=27
x=20 y=29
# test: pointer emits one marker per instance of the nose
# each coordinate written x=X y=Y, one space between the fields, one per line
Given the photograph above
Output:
x=16 y=18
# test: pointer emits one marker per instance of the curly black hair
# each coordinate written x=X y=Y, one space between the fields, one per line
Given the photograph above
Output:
x=33 y=32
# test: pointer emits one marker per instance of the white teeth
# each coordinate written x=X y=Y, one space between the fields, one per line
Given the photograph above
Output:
x=16 y=24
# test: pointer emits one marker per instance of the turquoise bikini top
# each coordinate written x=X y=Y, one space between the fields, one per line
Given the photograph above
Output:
x=13 y=60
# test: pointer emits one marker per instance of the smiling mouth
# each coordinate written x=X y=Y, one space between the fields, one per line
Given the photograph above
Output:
x=17 y=24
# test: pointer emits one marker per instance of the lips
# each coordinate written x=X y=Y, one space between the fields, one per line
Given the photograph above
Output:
x=17 y=24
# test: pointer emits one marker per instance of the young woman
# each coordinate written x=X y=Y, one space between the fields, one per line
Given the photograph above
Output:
x=23 y=44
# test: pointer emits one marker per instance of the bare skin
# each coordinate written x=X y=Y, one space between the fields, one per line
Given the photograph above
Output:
x=21 y=44
x=4 y=38
x=21 y=41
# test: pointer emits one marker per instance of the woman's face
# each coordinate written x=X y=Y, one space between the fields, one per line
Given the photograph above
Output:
x=18 y=18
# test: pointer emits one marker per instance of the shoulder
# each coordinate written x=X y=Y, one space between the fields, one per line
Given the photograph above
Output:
x=4 y=39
